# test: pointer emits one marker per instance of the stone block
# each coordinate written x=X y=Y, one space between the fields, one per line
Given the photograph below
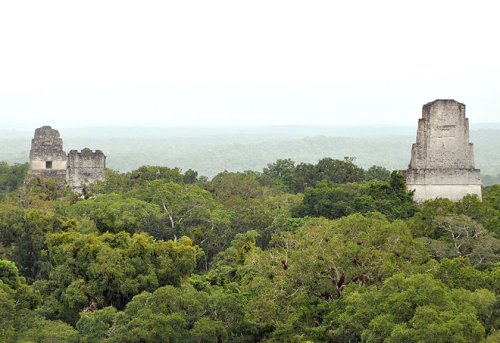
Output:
x=442 y=159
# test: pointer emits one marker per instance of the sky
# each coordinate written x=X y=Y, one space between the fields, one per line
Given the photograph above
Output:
x=225 y=63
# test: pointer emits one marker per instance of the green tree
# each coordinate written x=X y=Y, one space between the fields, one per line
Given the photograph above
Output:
x=289 y=286
x=114 y=213
x=12 y=176
x=459 y=235
x=190 y=176
x=327 y=169
x=18 y=321
x=41 y=192
x=337 y=200
x=94 y=326
x=491 y=196
x=92 y=270
x=483 y=212
x=280 y=174
x=305 y=176
x=377 y=173
x=227 y=184
x=180 y=315
x=416 y=308
x=338 y=171
x=22 y=235
x=115 y=182
x=8 y=311
x=460 y=273
x=463 y=228
x=188 y=210
x=39 y=329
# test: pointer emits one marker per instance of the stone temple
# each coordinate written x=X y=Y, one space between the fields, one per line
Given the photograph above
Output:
x=442 y=159
x=48 y=159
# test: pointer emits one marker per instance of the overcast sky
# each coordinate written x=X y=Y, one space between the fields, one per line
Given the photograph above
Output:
x=169 y=63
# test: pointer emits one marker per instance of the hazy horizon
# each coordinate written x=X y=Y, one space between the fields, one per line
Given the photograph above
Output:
x=212 y=150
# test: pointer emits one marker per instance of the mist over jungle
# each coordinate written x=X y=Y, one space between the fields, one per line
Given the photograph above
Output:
x=210 y=150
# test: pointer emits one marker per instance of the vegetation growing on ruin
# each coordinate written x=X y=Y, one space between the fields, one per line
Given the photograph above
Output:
x=298 y=252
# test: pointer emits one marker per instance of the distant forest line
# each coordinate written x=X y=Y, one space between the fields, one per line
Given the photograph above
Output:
x=210 y=150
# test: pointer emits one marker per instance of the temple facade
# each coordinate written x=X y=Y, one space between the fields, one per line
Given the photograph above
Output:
x=442 y=159
x=78 y=168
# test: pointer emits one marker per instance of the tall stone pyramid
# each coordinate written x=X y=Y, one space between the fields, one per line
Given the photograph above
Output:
x=442 y=159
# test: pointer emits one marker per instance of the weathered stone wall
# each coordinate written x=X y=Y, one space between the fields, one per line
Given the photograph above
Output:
x=452 y=192
x=47 y=157
x=449 y=183
x=442 y=159
x=85 y=167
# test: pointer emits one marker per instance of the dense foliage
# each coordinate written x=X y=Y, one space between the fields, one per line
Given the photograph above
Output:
x=325 y=252
x=11 y=177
